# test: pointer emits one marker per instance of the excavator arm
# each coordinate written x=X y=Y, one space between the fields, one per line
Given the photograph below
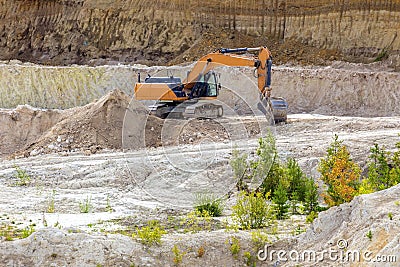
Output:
x=228 y=57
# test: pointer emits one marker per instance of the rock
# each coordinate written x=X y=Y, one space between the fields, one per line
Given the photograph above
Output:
x=349 y=223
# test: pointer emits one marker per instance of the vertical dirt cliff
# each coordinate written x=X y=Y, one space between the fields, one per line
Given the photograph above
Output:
x=85 y=31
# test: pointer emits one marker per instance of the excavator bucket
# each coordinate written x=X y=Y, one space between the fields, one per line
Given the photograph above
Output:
x=279 y=108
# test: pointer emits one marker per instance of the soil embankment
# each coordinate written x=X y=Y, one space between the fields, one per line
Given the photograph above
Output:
x=59 y=32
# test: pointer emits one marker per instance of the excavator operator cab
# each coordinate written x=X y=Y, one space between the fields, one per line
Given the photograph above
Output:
x=206 y=86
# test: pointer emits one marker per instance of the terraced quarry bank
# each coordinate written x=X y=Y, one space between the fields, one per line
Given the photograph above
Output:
x=156 y=32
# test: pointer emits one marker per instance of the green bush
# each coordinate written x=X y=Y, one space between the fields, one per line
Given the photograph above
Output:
x=262 y=169
x=267 y=168
x=27 y=231
x=234 y=247
x=209 y=203
x=252 y=211
x=250 y=260
x=22 y=176
x=178 y=255
x=150 y=234
x=196 y=221
x=86 y=205
x=259 y=239
x=369 y=235
x=311 y=217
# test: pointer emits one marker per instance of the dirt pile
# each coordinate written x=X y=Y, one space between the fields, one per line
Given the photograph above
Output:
x=24 y=125
x=90 y=128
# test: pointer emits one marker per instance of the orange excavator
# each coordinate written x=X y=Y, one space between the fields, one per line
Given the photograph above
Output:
x=193 y=98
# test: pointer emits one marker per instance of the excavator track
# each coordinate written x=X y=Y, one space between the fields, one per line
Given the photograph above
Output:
x=205 y=110
x=193 y=108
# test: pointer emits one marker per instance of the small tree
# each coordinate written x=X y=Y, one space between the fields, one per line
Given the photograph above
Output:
x=275 y=176
x=280 y=198
x=383 y=168
x=258 y=170
x=294 y=201
x=297 y=180
x=311 y=196
x=365 y=187
x=395 y=171
x=339 y=173
x=240 y=167
x=267 y=168
x=378 y=168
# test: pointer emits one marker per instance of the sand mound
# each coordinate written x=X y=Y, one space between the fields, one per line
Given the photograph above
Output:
x=90 y=128
x=24 y=125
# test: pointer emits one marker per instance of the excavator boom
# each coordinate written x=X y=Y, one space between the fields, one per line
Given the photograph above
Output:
x=228 y=57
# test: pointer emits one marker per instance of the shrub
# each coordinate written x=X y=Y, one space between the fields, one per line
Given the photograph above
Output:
x=209 y=203
x=86 y=205
x=22 y=176
x=178 y=255
x=200 y=252
x=311 y=216
x=27 y=231
x=252 y=211
x=150 y=234
x=249 y=259
x=260 y=170
x=339 y=173
x=50 y=204
x=365 y=187
x=196 y=221
x=234 y=247
x=259 y=239
x=275 y=176
x=267 y=168
x=369 y=235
